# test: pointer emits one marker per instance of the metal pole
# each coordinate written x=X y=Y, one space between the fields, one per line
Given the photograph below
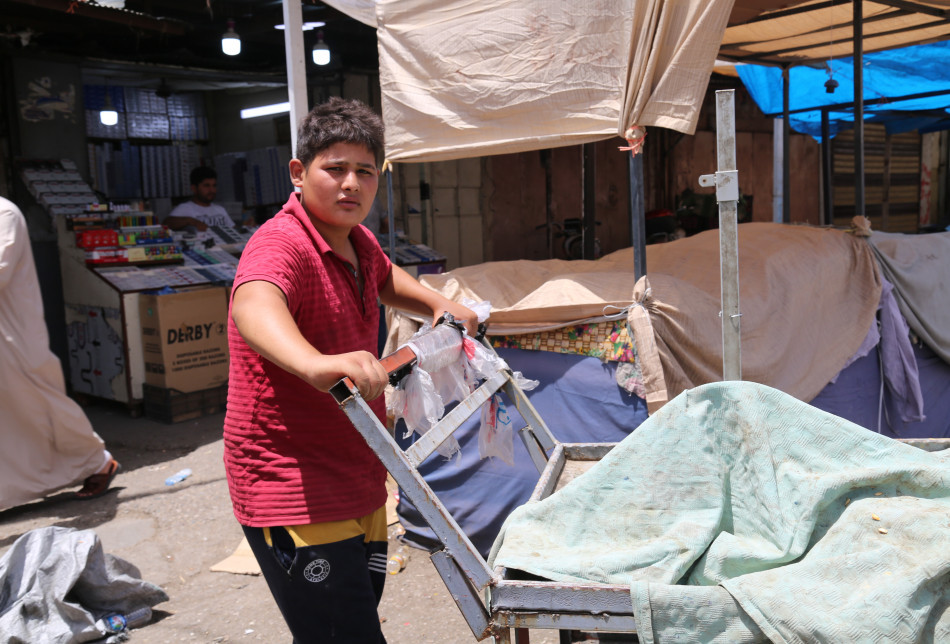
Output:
x=589 y=224
x=392 y=216
x=546 y=162
x=726 y=181
x=778 y=168
x=827 y=171
x=296 y=68
x=786 y=138
x=858 y=19
x=425 y=197
x=638 y=232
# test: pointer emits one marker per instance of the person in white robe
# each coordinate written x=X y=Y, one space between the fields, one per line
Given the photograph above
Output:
x=46 y=440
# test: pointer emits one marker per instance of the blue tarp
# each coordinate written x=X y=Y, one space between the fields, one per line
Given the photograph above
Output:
x=887 y=74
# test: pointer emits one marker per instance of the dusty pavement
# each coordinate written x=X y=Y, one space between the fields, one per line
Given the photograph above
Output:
x=175 y=534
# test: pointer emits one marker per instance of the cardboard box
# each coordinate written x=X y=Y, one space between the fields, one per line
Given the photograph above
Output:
x=185 y=338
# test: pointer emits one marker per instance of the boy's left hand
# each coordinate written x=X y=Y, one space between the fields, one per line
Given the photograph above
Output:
x=462 y=314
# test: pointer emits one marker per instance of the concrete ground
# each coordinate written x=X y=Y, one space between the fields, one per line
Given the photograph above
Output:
x=174 y=535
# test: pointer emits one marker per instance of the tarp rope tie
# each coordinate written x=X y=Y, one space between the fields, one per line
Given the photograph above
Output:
x=635 y=136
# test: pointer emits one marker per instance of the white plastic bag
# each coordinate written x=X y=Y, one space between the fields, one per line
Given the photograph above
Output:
x=449 y=367
x=436 y=379
x=496 y=435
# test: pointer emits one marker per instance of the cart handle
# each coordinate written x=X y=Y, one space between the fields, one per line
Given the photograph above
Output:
x=399 y=363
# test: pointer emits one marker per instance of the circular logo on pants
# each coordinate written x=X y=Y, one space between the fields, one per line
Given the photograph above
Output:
x=317 y=570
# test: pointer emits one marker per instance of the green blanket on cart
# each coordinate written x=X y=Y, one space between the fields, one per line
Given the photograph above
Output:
x=738 y=513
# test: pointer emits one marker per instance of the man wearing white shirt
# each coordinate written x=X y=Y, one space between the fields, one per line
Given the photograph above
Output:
x=199 y=211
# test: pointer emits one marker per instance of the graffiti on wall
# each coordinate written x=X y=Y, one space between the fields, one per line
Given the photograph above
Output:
x=44 y=101
x=95 y=350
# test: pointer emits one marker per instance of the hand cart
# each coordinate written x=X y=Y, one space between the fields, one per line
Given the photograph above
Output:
x=510 y=602
x=493 y=602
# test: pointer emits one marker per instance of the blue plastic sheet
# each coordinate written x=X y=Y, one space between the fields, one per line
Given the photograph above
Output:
x=887 y=74
x=579 y=399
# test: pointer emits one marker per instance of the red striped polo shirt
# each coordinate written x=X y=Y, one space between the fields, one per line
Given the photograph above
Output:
x=291 y=456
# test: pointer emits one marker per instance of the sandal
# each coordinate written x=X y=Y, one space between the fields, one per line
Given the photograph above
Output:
x=98 y=484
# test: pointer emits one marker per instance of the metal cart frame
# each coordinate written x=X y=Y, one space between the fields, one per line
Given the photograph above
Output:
x=493 y=602
x=509 y=603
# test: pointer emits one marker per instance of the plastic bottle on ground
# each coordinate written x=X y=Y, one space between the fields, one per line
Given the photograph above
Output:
x=138 y=617
x=178 y=477
x=116 y=622
x=397 y=560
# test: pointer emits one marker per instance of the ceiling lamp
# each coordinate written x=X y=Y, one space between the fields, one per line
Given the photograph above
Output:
x=108 y=115
x=230 y=41
x=321 y=53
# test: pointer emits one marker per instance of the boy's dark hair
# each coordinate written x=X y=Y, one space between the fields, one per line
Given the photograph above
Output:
x=339 y=121
x=201 y=173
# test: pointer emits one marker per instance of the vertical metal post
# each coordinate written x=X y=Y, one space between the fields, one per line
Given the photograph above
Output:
x=425 y=197
x=391 y=214
x=786 y=153
x=296 y=68
x=638 y=232
x=827 y=171
x=546 y=163
x=886 y=184
x=778 y=166
x=727 y=185
x=589 y=211
x=858 y=23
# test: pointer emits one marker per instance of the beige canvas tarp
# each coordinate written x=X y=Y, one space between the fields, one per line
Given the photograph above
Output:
x=808 y=297
x=462 y=79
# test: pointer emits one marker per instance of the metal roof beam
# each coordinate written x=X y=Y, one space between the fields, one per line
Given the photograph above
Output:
x=892 y=32
x=915 y=7
x=125 y=17
x=841 y=107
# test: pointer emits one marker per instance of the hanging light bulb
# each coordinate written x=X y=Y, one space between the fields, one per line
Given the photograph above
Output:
x=831 y=84
x=230 y=41
x=321 y=53
x=108 y=115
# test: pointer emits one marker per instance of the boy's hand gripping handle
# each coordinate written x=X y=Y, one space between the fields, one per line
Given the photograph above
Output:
x=397 y=364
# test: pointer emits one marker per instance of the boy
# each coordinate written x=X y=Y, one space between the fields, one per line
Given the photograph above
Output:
x=199 y=211
x=306 y=488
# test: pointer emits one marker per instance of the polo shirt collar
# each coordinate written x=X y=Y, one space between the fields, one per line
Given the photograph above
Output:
x=295 y=208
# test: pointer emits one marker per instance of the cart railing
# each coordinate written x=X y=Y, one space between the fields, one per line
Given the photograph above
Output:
x=462 y=568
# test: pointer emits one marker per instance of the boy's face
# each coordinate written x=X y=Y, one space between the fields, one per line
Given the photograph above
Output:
x=338 y=187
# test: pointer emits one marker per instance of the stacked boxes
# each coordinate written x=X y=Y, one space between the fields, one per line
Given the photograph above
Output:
x=135 y=171
x=57 y=186
x=257 y=177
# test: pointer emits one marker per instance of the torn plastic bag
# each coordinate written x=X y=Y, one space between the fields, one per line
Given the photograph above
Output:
x=438 y=378
x=496 y=435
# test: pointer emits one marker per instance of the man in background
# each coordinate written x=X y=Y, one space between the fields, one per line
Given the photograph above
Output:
x=200 y=211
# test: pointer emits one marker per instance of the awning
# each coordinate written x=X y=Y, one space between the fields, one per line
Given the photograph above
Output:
x=463 y=79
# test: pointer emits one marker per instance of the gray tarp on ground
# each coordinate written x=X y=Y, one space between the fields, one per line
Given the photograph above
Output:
x=56 y=582
x=919 y=268
x=737 y=513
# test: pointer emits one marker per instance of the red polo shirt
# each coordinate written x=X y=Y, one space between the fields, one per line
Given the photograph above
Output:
x=291 y=456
